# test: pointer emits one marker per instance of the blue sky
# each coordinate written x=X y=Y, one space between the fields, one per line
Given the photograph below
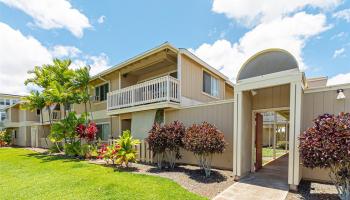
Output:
x=224 y=33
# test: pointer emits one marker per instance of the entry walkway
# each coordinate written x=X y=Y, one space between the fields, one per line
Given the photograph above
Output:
x=271 y=182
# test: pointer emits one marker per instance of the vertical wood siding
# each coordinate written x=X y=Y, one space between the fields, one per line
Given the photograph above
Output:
x=221 y=115
x=192 y=81
x=315 y=104
x=318 y=103
x=272 y=97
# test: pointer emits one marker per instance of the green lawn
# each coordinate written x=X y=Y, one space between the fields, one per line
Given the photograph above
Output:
x=28 y=175
x=267 y=154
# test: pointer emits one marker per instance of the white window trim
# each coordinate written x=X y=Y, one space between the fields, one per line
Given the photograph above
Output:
x=218 y=81
x=98 y=85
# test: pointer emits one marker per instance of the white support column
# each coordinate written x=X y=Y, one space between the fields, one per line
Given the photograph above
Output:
x=294 y=132
x=236 y=134
x=274 y=135
x=269 y=135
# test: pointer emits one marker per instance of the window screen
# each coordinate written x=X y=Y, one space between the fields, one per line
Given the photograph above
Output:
x=101 y=92
x=210 y=84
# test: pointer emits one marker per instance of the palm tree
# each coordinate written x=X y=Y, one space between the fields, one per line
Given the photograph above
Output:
x=34 y=101
x=81 y=86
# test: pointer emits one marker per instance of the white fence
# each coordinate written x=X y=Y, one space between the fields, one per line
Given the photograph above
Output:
x=157 y=90
x=144 y=154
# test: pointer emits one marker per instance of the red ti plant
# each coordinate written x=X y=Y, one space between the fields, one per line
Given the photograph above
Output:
x=88 y=132
x=327 y=145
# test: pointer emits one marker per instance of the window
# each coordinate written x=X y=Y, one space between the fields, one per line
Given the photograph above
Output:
x=2 y=102
x=101 y=92
x=2 y=116
x=7 y=102
x=103 y=131
x=210 y=84
x=37 y=111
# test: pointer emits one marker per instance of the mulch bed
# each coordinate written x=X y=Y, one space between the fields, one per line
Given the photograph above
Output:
x=188 y=176
x=314 y=191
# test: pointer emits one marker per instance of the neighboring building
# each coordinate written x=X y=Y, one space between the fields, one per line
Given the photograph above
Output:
x=167 y=83
x=5 y=101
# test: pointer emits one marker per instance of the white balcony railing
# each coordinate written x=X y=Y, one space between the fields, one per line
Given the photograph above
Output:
x=157 y=90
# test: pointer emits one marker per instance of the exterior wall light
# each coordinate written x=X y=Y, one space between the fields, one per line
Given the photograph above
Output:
x=341 y=94
x=254 y=92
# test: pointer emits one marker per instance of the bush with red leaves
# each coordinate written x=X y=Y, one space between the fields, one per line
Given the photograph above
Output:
x=166 y=141
x=327 y=145
x=204 y=140
x=88 y=132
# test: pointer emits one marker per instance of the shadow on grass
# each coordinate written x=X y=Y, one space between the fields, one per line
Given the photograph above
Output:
x=194 y=174
x=305 y=190
x=49 y=158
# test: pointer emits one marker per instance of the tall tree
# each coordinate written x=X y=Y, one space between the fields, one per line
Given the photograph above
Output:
x=81 y=83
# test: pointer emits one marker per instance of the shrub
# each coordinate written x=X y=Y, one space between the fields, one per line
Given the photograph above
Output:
x=87 y=132
x=157 y=140
x=327 y=145
x=108 y=153
x=5 y=138
x=126 y=152
x=72 y=149
x=175 y=131
x=204 y=140
x=281 y=144
x=166 y=141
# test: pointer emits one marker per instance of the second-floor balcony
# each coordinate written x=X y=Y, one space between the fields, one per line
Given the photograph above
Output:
x=163 y=89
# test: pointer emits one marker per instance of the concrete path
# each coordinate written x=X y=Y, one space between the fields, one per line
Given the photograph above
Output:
x=269 y=183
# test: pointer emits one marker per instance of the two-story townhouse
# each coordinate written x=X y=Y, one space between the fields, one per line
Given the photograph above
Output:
x=132 y=94
x=167 y=83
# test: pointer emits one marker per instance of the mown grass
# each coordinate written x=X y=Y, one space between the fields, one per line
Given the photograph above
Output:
x=25 y=174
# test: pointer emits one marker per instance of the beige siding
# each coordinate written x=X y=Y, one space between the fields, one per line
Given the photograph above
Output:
x=228 y=92
x=315 y=104
x=113 y=80
x=221 y=115
x=192 y=81
x=318 y=103
x=23 y=136
x=157 y=73
x=272 y=97
x=32 y=116
x=14 y=114
x=115 y=126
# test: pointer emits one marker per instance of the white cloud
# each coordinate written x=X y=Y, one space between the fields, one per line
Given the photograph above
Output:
x=339 y=79
x=65 y=51
x=101 y=19
x=18 y=53
x=97 y=63
x=51 y=14
x=338 y=52
x=252 y=12
x=340 y=35
x=289 y=33
x=343 y=14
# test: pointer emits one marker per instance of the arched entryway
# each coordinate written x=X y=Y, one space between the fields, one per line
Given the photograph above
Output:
x=268 y=81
